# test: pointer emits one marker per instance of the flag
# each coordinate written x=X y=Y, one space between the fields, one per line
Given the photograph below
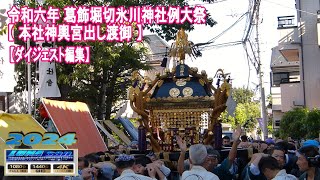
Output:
x=76 y=117
x=261 y=124
x=48 y=86
x=231 y=106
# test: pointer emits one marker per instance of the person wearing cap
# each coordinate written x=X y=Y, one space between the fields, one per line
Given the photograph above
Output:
x=312 y=143
x=198 y=156
x=270 y=142
x=309 y=161
x=125 y=165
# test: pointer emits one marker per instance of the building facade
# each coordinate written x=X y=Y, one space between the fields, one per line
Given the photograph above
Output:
x=295 y=62
x=157 y=49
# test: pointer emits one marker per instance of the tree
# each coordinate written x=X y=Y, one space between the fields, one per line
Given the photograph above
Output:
x=312 y=124
x=246 y=111
x=242 y=95
x=300 y=123
x=292 y=123
x=103 y=82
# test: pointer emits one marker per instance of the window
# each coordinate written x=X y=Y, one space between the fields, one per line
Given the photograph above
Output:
x=286 y=21
x=277 y=123
x=279 y=78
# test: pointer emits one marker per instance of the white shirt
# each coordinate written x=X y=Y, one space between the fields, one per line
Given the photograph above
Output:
x=198 y=173
x=128 y=174
x=282 y=175
x=254 y=169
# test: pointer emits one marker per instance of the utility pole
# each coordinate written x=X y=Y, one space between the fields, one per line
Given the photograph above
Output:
x=262 y=94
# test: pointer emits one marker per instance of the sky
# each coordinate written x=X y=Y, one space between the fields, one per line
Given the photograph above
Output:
x=6 y=69
x=233 y=59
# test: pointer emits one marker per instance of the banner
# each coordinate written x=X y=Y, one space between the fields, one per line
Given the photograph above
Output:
x=261 y=124
x=231 y=105
x=48 y=86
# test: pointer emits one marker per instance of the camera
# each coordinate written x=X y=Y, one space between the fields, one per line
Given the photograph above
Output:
x=315 y=161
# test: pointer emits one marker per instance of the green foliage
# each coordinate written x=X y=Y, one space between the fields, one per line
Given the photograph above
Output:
x=270 y=126
x=242 y=95
x=246 y=111
x=300 y=123
x=3 y=30
x=312 y=124
x=276 y=134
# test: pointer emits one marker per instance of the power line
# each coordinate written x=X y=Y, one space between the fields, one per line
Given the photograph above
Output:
x=247 y=21
x=291 y=8
x=222 y=33
x=222 y=45
x=256 y=64
x=209 y=3
x=226 y=30
x=252 y=8
x=248 y=60
x=206 y=45
x=248 y=56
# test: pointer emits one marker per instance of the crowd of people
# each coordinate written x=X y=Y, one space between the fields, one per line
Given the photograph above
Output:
x=267 y=160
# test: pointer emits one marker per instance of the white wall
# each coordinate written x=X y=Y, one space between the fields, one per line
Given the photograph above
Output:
x=291 y=95
x=311 y=53
x=276 y=98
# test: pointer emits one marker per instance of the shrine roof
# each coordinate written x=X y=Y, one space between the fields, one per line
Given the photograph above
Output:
x=194 y=86
x=181 y=83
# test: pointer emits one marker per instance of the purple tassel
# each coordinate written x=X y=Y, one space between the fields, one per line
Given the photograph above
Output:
x=135 y=83
x=218 y=135
x=122 y=86
x=142 y=87
x=142 y=139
